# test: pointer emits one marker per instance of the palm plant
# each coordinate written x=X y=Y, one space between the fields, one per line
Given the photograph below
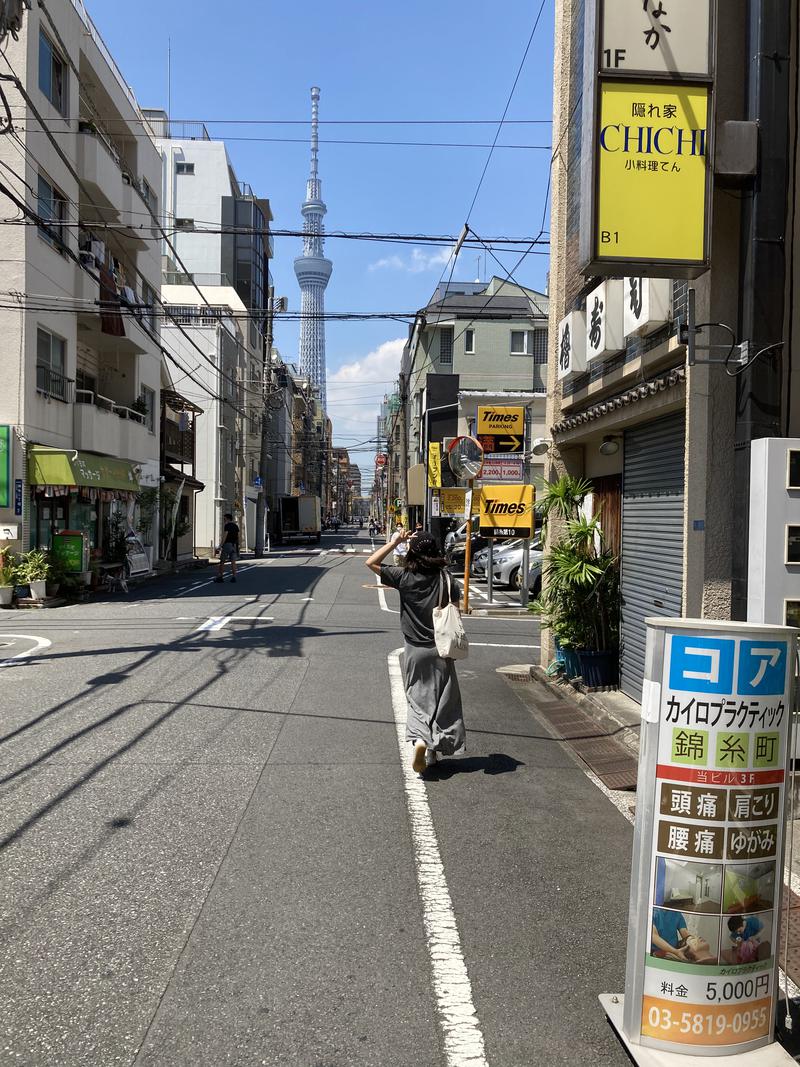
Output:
x=580 y=598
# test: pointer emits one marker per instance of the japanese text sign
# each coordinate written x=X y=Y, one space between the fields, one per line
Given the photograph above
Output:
x=656 y=36
x=604 y=321
x=494 y=419
x=434 y=465
x=652 y=173
x=5 y=466
x=711 y=851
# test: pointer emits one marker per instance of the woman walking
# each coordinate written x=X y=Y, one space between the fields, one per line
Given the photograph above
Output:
x=435 y=724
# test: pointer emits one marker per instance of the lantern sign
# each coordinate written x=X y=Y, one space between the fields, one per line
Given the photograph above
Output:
x=572 y=345
x=604 y=321
x=646 y=305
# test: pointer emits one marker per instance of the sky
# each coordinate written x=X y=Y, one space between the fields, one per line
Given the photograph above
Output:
x=449 y=61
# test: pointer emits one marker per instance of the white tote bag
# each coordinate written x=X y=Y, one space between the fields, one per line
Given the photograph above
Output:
x=448 y=629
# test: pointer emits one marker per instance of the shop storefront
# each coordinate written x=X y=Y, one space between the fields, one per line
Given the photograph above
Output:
x=73 y=490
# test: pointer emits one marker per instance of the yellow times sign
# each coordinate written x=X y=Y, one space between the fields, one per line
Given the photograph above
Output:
x=506 y=508
x=434 y=465
x=495 y=419
x=652 y=172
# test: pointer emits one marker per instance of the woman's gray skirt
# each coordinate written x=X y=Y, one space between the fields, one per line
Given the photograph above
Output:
x=434 y=701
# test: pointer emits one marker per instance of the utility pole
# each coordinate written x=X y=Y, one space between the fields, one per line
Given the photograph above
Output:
x=403 y=391
x=261 y=499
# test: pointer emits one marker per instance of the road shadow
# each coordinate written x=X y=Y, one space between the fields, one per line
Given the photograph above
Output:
x=496 y=763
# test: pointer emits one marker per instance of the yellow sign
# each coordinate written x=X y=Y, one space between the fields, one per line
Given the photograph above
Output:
x=506 y=507
x=652 y=172
x=500 y=420
x=451 y=501
x=434 y=465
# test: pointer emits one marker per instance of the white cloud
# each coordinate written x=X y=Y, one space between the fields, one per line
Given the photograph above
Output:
x=419 y=261
x=355 y=392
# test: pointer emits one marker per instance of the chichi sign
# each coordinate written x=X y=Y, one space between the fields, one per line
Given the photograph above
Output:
x=652 y=174
x=506 y=510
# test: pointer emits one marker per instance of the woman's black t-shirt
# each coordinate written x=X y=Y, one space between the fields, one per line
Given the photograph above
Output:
x=419 y=595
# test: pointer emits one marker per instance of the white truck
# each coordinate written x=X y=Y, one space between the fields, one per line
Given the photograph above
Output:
x=298 y=516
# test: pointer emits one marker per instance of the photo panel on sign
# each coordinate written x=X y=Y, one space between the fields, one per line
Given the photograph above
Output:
x=749 y=887
x=684 y=885
x=696 y=937
x=604 y=321
x=646 y=305
x=747 y=938
x=572 y=345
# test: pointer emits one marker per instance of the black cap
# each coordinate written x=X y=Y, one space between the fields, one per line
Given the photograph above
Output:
x=423 y=543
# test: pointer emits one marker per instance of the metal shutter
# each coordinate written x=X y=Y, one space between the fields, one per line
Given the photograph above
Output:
x=652 y=537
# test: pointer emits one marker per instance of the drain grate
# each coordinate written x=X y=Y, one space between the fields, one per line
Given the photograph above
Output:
x=608 y=759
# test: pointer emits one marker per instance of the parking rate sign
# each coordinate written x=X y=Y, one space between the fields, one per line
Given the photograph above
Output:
x=722 y=707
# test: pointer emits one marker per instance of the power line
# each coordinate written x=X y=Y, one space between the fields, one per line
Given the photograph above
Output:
x=146 y=121
x=505 y=109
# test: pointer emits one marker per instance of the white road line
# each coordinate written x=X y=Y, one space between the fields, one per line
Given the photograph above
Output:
x=305 y=598
x=41 y=644
x=382 y=598
x=216 y=622
x=492 y=644
x=463 y=1039
x=199 y=585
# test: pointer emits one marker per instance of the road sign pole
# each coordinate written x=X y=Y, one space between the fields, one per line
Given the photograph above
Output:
x=526 y=570
x=468 y=545
x=490 y=571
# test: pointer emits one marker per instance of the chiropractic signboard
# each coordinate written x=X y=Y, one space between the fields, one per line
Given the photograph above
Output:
x=708 y=847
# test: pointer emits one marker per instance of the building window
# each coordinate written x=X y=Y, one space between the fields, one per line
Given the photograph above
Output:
x=149 y=398
x=52 y=74
x=149 y=197
x=149 y=308
x=184 y=168
x=52 y=211
x=446 y=345
x=539 y=346
x=50 y=362
x=469 y=342
x=519 y=343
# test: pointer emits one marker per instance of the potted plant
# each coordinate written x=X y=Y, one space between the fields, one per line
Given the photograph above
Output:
x=34 y=570
x=56 y=576
x=580 y=598
x=8 y=579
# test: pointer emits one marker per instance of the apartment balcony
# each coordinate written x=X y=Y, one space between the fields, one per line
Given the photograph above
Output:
x=99 y=168
x=177 y=445
x=102 y=425
x=53 y=385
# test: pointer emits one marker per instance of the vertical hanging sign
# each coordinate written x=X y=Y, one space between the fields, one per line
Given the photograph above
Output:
x=708 y=863
x=434 y=465
x=5 y=466
x=645 y=150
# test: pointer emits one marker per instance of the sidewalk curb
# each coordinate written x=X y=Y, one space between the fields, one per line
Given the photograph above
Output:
x=626 y=733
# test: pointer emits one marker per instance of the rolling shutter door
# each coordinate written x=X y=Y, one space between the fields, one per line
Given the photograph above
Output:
x=652 y=537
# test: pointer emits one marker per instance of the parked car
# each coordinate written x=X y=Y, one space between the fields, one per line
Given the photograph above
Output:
x=508 y=569
x=457 y=552
x=480 y=561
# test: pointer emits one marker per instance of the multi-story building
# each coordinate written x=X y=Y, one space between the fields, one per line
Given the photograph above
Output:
x=219 y=256
x=474 y=344
x=81 y=357
x=210 y=337
x=665 y=444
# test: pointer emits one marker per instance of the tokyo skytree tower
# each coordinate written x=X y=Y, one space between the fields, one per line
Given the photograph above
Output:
x=313 y=270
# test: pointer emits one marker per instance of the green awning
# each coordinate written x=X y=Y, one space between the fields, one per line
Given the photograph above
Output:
x=52 y=466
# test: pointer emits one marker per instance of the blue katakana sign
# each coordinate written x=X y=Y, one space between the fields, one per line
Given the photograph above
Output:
x=701 y=664
x=709 y=664
x=762 y=668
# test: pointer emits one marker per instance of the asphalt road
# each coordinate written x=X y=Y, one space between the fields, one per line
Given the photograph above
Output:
x=207 y=856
